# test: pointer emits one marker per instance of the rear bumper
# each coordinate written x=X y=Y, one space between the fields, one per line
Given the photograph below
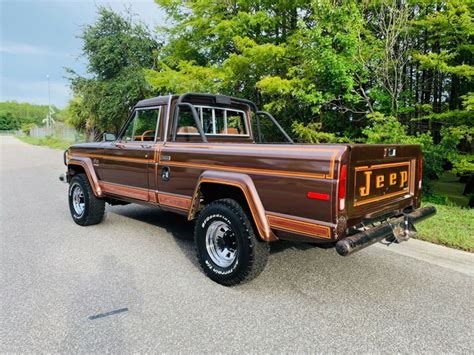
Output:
x=400 y=228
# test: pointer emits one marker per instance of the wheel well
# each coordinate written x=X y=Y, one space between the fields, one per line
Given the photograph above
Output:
x=211 y=192
x=75 y=169
x=215 y=191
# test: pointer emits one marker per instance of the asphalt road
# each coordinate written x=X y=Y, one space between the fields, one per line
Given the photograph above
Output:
x=56 y=275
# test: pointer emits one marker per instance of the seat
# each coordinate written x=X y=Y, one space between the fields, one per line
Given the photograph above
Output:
x=148 y=135
x=230 y=130
x=187 y=130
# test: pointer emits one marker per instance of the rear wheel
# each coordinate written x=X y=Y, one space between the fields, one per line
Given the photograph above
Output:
x=227 y=248
x=85 y=208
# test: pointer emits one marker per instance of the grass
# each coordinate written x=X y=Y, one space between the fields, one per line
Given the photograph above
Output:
x=451 y=226
x=448 y=185
x=49 y=141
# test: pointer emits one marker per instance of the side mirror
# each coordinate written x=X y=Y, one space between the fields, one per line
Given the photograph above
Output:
x=109 y=137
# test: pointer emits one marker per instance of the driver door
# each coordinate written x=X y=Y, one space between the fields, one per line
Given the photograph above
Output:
x=125 y=164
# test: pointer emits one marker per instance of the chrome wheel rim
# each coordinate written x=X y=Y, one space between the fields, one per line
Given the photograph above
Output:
x=78 y=200
x=221 y=244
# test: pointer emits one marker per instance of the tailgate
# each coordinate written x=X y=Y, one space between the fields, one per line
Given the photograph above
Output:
x=381 y=178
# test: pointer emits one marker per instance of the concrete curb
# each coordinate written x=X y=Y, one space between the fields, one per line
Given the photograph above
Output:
x=453 y=259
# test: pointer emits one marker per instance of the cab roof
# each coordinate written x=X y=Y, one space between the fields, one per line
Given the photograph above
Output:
x=154 y=101
x=223 y=99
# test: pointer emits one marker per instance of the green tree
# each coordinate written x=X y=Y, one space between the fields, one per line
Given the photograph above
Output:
x=8 y=122
x=384 y=71
x=117 y=49
x=14 y=114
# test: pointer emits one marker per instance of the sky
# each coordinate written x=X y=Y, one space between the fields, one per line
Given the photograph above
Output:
x=38 y=38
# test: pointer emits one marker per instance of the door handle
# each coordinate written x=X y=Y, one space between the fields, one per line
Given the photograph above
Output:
x=146 y=146
x=119 y=145
x=165 y=173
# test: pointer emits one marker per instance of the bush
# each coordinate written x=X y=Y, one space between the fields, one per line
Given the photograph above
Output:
x=27 y=127
x=8 y=122
x=437 y=199
x=464 y=164
x=388 y=130
x=312 y=133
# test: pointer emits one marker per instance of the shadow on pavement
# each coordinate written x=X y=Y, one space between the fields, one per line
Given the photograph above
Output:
x=182 y=231
x=178 y=226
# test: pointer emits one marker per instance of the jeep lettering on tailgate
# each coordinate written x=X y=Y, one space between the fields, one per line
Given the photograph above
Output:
x=213 y=160
x=377 y=182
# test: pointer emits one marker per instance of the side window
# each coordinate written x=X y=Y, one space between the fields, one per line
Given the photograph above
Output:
x=128 y=133
x=220 y=123
x=206 y=119
x=214 y=120
x=235 y=122
x=186 y=123
x=143 y=126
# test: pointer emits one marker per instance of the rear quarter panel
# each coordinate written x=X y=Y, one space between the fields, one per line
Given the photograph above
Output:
x=282 y=174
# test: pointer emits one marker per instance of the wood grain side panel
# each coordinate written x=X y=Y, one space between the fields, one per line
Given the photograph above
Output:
x=180 y=202
x=126 y=191
x=292 y=225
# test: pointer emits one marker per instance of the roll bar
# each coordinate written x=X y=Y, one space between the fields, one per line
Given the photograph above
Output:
x=273 y=119
x=221 y=99
x=195 y=116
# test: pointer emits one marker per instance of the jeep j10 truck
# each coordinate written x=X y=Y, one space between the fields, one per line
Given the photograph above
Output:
x=208 y=158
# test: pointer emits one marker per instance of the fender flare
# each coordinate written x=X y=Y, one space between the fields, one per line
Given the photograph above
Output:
x=246 y=185
x=86 y=164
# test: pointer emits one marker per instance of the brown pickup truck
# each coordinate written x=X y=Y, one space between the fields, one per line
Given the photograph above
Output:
x=213 y=158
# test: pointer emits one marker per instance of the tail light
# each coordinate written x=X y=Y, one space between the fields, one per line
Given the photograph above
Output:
x=341 y=196
x=420 y=172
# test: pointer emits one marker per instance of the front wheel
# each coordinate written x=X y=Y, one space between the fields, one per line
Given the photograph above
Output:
x=227 y=248
x=85 y=208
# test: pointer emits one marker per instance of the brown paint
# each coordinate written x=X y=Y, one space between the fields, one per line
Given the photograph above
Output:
x=86 y=164
x=245 y=184
x=274 y=179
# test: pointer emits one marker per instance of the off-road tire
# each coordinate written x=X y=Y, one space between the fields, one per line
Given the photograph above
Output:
x=252 y=254
x=94 y=207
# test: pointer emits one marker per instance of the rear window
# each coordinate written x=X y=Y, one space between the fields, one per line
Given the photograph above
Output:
x=214 y=121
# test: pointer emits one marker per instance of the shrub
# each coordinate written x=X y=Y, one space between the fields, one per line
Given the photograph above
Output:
x=311 y=133
x=388 y=130
x=27 y=127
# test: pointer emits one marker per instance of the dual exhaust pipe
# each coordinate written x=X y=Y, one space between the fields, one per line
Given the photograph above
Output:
x=399 y=228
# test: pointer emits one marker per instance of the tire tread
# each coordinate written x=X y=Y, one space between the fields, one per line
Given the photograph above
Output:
x=258 y=250
x=95 y=211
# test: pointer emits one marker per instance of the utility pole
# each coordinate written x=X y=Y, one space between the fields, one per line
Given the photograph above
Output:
x=48 y=118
